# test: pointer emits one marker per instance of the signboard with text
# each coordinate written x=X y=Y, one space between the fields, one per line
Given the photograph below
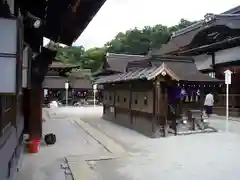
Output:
x=228 y=76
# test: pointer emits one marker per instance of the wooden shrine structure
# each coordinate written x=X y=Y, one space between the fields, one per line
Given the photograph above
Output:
x=144 y=97
x=213 y=42
x=114 y=63
x=58 y=74
x=24 y=63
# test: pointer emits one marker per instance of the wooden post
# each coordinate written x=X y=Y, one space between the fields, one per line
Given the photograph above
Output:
x=155 y=116
x=166 y=112
x=130 y=104
x=114 y=101
x=202 y=97
x=160 y=103
x=35 y=111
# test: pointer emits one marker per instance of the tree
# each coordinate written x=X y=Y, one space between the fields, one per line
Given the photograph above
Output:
x=93 y=58
x=182 y=24
x=140 y=41
x=134 y=41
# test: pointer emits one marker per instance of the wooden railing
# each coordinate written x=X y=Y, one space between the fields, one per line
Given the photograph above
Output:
x=234 y=100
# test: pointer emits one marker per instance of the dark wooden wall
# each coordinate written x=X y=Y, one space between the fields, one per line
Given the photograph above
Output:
x=131 y=105
x=11 y=134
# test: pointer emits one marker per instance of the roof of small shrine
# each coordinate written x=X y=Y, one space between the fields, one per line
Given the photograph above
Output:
x=178 y=69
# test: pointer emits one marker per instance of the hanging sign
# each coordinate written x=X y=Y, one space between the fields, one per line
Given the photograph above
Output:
x=228 y=76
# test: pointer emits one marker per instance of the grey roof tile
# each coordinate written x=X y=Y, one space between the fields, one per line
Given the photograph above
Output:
x=118 y=62
x=183 y=38
x=183 y=70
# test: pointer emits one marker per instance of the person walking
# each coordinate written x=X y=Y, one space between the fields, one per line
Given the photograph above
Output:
x=208 y=104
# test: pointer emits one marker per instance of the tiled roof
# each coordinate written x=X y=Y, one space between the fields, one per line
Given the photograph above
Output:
x=58 y=82
x=178 y=70
x=184 y=37
x=118 y=62
x=235 y=10
x=54 y=82
x=82 y=83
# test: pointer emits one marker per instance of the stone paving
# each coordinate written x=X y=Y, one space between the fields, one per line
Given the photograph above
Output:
x=200 y=156
x=92 y=148
x=71 y=140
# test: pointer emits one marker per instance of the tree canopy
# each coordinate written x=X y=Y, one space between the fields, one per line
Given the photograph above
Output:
x=134 y=41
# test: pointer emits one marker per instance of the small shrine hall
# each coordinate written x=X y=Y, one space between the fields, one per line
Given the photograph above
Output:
x=154 y=93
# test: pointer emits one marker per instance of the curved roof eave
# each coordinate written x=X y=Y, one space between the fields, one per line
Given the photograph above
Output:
x=72 y=23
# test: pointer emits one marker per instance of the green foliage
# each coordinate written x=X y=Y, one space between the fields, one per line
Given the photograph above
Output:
x=134 y=41
x=93 y=58
x=141 y=41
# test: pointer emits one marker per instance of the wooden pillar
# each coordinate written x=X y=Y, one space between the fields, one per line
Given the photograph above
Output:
x=130 y=104
x=202 y=90
x=26 y=112
x=35 y=111
x=213 y=62
x=165 y=100
x=155 y=106
x=114 y=101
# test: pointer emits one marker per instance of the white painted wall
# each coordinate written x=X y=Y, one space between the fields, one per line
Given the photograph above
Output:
x=204 y=61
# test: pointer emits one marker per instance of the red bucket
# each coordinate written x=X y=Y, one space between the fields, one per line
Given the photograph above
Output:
x=33 y=145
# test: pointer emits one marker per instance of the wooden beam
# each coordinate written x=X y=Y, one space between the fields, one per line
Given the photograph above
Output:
x=75 y=6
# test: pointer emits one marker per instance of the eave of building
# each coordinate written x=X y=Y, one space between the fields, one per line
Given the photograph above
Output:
x=227 y=43
x=186 y=38
x=171 y=66
x=105 y=72
x=198 y=24
x=234 y=10
x=58 y=82
x=60 y=65
x=223 y=57
x=64 y=20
